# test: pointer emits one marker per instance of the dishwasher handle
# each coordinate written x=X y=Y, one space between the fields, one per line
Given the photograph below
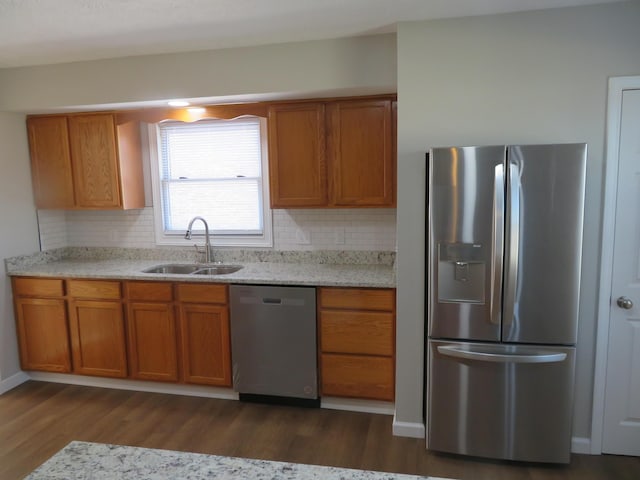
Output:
x=271 y=301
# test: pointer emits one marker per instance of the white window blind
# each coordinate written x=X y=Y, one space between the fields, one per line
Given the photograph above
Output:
x=212 y=168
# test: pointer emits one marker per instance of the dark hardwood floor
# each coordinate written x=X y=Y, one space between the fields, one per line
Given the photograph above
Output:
x=37 y=419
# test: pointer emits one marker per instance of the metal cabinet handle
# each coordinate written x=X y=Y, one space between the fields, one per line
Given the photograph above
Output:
x=624 y=302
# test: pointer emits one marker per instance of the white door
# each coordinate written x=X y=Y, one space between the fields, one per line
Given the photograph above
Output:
x=621 y=427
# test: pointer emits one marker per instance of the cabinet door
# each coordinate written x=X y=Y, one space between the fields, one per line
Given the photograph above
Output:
x=206 y=353
x=43 y=334
x=297 y=158
x=152 y=341
x=94 y=160
x=50 y=162
x=361 y=156
x=97 y=338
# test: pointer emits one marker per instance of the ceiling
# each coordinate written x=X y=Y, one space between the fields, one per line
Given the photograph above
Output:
x=37 y=32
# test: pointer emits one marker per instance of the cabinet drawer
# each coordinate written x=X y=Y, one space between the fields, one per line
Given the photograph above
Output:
x=94 y=289
x=149 y=291
x=38 y=287
x=357 y=298
x=202 y=293
x=357 y=332
x=357 y=376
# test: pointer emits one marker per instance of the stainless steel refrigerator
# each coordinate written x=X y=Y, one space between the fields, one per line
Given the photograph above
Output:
x=503 y=280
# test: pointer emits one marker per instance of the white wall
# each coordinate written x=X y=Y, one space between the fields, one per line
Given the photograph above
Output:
x=19 y=229
x=536 y=77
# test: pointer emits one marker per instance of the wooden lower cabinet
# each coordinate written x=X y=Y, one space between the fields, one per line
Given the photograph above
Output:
x=41 y=323
x=43 y=334
x=357 y=342
x=206 y=353
x=98 y=338
x=152 y=341
x=152 y=331
x=358 y=376
x=203 y=314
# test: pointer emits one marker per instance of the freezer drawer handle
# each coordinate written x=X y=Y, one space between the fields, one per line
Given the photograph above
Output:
x=501 y=357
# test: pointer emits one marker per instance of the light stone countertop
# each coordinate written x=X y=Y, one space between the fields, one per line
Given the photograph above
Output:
x=271 y=273
x=84 y=460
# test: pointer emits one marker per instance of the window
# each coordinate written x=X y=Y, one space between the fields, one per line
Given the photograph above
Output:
x=213 y=169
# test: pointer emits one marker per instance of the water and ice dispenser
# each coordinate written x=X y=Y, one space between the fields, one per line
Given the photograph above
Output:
x=461 y=273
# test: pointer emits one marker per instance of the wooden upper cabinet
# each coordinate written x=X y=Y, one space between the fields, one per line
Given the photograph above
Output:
x=332 y=154
x=94 y=160
x=86 y=161
x=361 y=153
x=50 y=162
x=104 y=171
x=297 y=160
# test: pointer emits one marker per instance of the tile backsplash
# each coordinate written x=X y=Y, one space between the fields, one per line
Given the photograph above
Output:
x=323 y=229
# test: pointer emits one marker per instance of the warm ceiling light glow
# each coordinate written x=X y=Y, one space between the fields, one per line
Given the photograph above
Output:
x=178 y=103
x=196 y=110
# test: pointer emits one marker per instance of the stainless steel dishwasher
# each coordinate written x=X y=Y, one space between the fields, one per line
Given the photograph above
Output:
x=273 y=344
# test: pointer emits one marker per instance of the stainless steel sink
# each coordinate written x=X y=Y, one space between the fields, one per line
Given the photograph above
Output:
x=218 y=270
x=192 y=268
x=174 y=268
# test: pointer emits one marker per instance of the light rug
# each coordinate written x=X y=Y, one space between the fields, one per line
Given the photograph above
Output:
x=99 y=461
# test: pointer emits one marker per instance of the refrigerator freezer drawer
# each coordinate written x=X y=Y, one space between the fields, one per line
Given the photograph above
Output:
x=500 y=401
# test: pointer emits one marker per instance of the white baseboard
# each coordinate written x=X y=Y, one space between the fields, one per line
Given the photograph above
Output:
x=13 y=381
x=137 y=385
x=355 y=405
x=408 y=429
x=581 y=445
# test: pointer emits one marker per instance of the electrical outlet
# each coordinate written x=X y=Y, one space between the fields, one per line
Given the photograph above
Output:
x=339 y=236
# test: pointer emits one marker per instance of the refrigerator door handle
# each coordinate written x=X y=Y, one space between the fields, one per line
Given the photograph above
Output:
x=495 y=308
x=513 y=244
x=541 y=357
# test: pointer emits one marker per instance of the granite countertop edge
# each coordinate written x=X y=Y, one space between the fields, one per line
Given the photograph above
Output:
x=268 y=273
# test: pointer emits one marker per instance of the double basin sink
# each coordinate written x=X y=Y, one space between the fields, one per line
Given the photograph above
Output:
x=193 y=269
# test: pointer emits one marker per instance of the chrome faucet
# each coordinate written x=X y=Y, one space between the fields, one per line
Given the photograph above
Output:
x=207 y=246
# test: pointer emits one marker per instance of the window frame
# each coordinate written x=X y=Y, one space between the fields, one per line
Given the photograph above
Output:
x=226 y=240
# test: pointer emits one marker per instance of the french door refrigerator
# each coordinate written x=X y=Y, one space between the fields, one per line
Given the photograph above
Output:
x=503 y=279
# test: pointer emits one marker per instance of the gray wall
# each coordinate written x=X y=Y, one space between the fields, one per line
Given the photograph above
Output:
x=536 y=77
x=18 y=220
x=362 y=64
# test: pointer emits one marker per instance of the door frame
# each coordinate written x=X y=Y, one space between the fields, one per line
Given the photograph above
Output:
x=617 y=85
